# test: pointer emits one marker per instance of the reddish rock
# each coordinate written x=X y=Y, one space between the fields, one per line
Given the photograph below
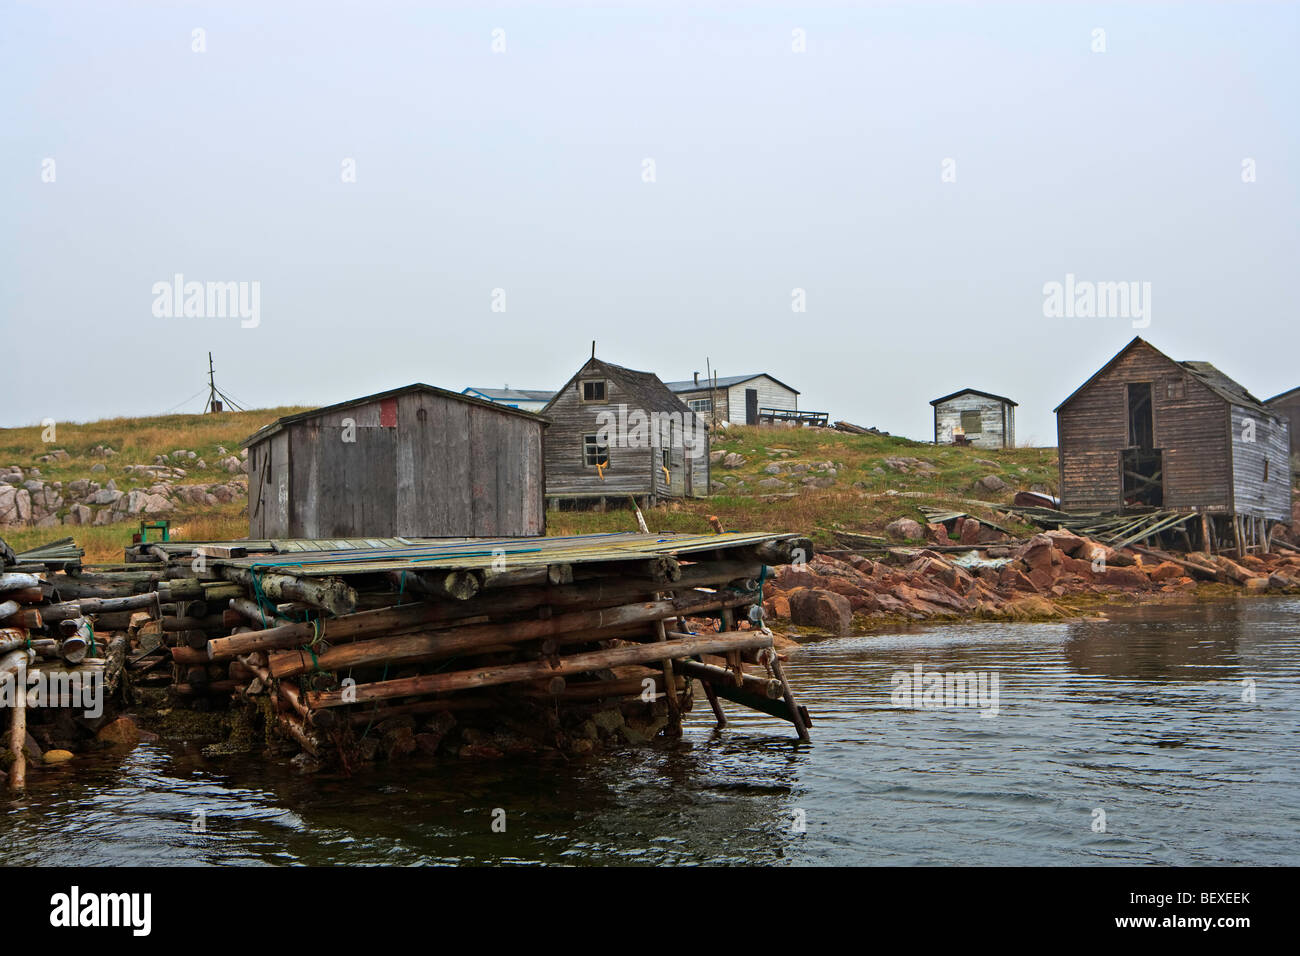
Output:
x=1165 y=571
x=120 y=733
x=970 y=531
x=822 y=609
x=1067 y=542
x=938 y=534
x=790 y=577
x=1123 y=577
x=780 y=606
x=1014 y=579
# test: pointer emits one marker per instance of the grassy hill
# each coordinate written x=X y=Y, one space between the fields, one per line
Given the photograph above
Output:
x=852 y=479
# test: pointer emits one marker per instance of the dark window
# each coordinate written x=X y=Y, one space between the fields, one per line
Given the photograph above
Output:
x=594 y=453
x=1174 y=387
x=593 y=391
x=970 y=423
x=668 y=460
x=1266 y=469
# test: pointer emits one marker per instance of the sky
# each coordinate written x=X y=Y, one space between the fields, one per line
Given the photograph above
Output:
x=469 y=195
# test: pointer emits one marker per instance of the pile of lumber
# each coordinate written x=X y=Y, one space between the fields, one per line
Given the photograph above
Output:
x=337 y=637
x=54 y=652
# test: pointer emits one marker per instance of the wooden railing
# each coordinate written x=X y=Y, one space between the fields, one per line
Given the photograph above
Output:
x=774 y=416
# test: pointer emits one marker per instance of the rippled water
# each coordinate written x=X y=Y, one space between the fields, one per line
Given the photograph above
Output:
x=1141 y=716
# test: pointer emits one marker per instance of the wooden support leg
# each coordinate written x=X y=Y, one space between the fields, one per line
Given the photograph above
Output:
x=670 y=688
x=712 y=695
x=18 y=732
x=1237 y=536
x=796 y=716
x=1206 y=535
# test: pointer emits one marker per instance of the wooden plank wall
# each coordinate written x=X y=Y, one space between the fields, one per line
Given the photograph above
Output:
x=1192 y=432
x=629 y=472
x=447 y=468
x=1254 y=494
x=947 y=416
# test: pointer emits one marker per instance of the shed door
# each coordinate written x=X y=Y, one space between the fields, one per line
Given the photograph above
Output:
x=751 y=406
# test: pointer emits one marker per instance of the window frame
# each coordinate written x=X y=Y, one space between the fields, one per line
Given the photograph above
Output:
x=604 y=390
x=591 y=452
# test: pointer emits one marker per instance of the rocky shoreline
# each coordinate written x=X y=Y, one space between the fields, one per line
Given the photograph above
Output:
x=1051 y=575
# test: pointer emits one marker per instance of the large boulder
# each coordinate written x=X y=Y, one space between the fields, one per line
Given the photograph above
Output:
x=991 y=483
x=821 y=609
x=905 y=529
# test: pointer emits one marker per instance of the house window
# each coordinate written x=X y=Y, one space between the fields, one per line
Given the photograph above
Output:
x=593 y=452
x=699 y=405
x=970 y=423
x=593 y=391
x=1266 y=469
x=1174 y=387
x=668 y=461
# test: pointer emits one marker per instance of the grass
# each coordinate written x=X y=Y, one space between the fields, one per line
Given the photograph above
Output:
x=859 y=499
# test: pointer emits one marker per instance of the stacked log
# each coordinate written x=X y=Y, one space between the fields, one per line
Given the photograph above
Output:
x=53 y=652
x=544 y=643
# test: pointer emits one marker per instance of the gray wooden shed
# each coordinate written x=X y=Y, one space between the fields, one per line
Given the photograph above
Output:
x=416 y=461
x=986 y=420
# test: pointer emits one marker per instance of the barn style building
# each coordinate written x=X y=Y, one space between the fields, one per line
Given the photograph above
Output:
x=616 y=432
x=738 y=399
x=1147 y=431
x=416 y=461
x=976 y=418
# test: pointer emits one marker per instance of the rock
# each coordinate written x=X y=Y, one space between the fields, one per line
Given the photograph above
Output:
x=773 y=484
x=57 y=756
x=992 y=483
x=825 y=610
x=732 y=460
x=98 y=467
x=773 y=469
x=1067 y=542
x=200 y=464
x=1255 y=585
x=80 y=514
x=905 y=529
x=937 y=534
x=1165 y=571
x=970 y=531
x=122 y=732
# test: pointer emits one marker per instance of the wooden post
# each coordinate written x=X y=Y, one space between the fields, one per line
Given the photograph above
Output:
x=16 y=664
x=796 y=717
x=1237 y=536
x=1206 y=535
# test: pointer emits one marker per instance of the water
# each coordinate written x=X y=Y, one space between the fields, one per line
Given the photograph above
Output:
x=1140 y=716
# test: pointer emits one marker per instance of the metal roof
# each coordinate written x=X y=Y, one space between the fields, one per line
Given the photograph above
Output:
x=510 y=394
x=268 y=430
x=726 y=381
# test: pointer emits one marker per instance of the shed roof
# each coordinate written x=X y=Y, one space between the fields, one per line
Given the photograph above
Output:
x=645 y=388
x=689 y=385
x=1226 y=388
x=1283 y=396
x=974 y=391
x=268 y=430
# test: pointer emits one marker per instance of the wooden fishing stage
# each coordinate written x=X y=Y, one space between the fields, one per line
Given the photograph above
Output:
x=338 y=641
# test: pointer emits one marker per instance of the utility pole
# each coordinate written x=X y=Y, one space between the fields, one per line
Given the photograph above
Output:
x=213 y=404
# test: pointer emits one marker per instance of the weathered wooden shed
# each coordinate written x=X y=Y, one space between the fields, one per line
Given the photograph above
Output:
x=416 y=461
x=616 y=432
x=1149 y=431
x=986 y=420
x=1288 y=406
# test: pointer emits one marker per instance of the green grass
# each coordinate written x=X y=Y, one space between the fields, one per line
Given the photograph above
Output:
x=859 y=499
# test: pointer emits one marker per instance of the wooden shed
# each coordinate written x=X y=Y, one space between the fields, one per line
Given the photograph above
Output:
x=980 y=418
x=616 y=432
x=1288 y=406
x=416 y=461
x=1149 y=431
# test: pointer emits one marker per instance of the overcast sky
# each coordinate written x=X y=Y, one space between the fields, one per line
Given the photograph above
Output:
x=524 y=171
